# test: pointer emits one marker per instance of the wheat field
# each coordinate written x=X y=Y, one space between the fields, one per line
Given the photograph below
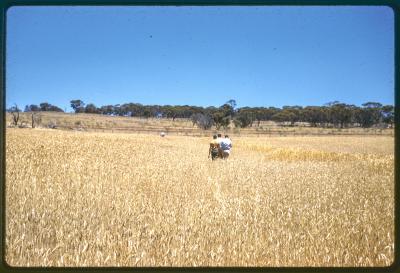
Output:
x=103 y=199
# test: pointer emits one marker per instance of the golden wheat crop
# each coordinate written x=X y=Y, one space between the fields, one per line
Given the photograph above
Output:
x=102 y=199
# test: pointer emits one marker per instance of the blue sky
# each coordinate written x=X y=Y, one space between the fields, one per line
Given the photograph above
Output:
x=259 y=56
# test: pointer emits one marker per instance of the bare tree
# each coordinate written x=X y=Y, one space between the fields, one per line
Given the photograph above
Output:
x=204 y=121
x=36 y=119
x=15 y=114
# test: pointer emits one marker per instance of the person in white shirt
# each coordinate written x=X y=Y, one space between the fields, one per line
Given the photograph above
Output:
x=226 y=146
x=219 y=140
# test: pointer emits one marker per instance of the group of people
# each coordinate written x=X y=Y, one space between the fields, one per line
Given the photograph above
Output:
x=220 y=147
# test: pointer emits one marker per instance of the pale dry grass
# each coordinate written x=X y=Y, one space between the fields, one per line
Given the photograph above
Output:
x=102 y=199
x=104 y=123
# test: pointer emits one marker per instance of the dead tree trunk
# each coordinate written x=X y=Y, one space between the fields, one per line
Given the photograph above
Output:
x=33 y=120
x=15 y=117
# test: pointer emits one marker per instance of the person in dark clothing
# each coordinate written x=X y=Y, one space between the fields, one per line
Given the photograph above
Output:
x=214 y=149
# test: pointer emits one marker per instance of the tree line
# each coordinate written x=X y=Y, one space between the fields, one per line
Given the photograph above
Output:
x=333 y=114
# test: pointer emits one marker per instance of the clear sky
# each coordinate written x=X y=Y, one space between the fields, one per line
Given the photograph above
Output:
x=259 y=56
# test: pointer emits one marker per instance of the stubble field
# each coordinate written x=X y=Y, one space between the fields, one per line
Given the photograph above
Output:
x=103 y=199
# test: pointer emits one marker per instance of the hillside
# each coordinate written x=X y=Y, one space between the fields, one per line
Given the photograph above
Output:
x=103 y=123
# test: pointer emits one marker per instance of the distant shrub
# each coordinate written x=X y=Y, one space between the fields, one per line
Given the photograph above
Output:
x=52 y=125
x=23 y=125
